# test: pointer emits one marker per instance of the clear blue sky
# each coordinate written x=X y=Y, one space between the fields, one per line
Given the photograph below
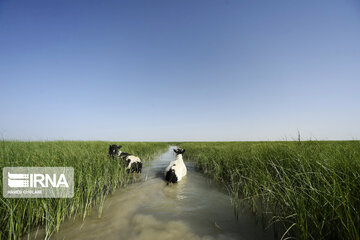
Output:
x=179 y=70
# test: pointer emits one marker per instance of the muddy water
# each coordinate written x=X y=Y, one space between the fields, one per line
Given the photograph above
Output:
x=191 y=209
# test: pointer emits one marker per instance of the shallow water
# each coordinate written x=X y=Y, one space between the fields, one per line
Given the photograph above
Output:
x=194 y=208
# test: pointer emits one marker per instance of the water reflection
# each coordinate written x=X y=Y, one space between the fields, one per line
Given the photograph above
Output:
x=192 y=209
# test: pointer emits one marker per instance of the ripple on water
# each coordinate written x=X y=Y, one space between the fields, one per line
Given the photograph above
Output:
x=192 y=209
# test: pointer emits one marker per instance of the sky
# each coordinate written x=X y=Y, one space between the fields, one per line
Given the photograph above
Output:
x=205 y=70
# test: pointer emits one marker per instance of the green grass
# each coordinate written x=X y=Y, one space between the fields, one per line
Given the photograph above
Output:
x=95 y=177
x=312 y=188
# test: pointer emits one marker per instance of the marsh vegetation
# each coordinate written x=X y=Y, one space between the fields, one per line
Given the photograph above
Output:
x=96 y=176
x=309 y=188
x=305 y=190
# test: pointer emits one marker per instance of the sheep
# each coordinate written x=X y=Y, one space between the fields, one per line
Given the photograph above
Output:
x=132 y=163
x=176 y=169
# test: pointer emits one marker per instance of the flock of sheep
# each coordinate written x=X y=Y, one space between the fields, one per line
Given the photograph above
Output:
x=173 y=173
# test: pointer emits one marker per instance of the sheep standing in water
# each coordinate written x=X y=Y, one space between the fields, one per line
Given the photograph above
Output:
x=132 y=163
x=176 y=169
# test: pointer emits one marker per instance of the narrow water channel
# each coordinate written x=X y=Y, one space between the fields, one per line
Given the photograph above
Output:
x=194 y=208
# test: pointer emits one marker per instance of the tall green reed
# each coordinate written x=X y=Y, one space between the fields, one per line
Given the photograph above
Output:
x=96 y=176
x=310 y=188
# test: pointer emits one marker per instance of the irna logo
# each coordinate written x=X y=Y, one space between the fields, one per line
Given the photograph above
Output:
x=16 y=180
x=38 y=182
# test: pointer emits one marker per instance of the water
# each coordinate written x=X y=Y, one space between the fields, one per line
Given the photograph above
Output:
x=194 y=208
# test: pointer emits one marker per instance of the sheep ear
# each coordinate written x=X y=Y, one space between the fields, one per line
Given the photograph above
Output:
x=183 y=151
x=175 y=150
x=119 y=146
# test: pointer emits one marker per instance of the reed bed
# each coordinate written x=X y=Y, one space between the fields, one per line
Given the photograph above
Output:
x=96 y=176
x=310 y=188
